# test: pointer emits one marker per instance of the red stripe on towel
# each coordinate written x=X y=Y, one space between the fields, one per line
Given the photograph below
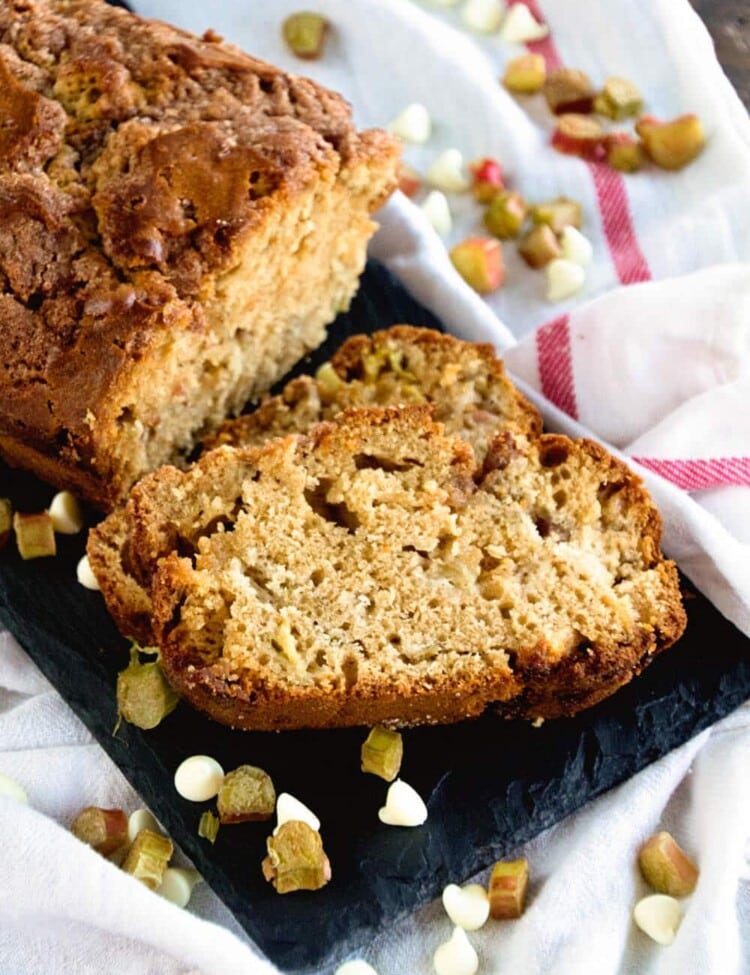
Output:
x=697 y=475
x=627 y=257
x=556 y=365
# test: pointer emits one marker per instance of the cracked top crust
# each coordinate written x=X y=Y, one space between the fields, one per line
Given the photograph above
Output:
x=134 y=161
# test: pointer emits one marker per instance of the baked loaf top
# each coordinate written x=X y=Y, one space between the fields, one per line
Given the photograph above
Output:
x=135 y=161
x=465 y=382
x=370 y=572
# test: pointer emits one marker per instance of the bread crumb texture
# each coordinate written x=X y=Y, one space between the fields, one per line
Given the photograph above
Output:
x=370 y=571
x=178 y=223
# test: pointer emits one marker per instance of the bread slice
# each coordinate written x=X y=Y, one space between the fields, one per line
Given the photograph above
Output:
x=370 y=572
x=178 y=224
x=465 y=382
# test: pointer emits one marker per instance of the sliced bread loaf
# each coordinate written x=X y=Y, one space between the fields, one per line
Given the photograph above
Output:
x=465 y=382
x=371 y=572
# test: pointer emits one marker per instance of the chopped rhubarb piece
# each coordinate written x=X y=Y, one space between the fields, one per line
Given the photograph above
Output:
x=558 y=213
x=569 y=90
x=618 y=99
x=672 y=145
x=305 y=33
x=6 y=521
x=539 y=246
x=382 y=753
x=508 y=883
x=148 y=857
x=525 y=75
x=505 y=215
x=624 y=152
x=666 y=866
x=486 y=179
x=144 y=697
x=35 y=535
x=247 y=794
x=479 y=261
x=579 y=135
x=105 y=830
x=296 y=859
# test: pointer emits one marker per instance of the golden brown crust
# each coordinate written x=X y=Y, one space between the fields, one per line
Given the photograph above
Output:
x=582 y=512
x=137 y=162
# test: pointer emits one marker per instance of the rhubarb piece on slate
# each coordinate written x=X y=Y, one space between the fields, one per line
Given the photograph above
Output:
x=35 y=535
x=382 y=753
x=296 y=859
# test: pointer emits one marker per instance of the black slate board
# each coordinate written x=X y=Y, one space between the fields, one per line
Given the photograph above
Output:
x=489 y=784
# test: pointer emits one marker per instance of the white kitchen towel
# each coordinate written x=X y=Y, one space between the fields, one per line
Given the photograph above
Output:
x=658 y=367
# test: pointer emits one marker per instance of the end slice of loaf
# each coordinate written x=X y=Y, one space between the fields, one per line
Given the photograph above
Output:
x=464 y=381
x=369 y=572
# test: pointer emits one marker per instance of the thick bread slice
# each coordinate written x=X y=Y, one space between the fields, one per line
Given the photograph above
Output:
x=465 y=381
x=368 y=572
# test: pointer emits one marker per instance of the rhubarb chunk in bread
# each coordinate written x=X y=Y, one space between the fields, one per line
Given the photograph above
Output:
x=370 y=572
x=179 y=222
x=465 y=382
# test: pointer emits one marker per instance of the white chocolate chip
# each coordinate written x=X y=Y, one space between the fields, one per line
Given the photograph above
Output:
x=85 y=575
x=290 y=809
x=564 y=278
x=413 y=124
x=435 y=208
x=659 y=917
x=66 y=513
x=483 y=15
x=198 y=778
x=11 y=789
x=177 y=885
x=576 y=247
x=403 y=806
x=520 y=26
x=446 y=172
x=457 y=956
x=356 y=967
x=468 y=907
x=141 y=819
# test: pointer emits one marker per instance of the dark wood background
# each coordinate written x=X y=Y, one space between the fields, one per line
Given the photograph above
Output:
x=729 y=24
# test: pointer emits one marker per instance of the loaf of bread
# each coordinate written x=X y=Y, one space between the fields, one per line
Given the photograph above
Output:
x=178 y=224
x=370 y=572
x=464 y=381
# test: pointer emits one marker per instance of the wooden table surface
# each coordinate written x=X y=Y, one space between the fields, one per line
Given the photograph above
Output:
x=729 y=24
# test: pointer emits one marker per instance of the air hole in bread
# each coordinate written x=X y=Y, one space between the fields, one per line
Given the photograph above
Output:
x=553 y=455
x=337 y=513
x=371 y=462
